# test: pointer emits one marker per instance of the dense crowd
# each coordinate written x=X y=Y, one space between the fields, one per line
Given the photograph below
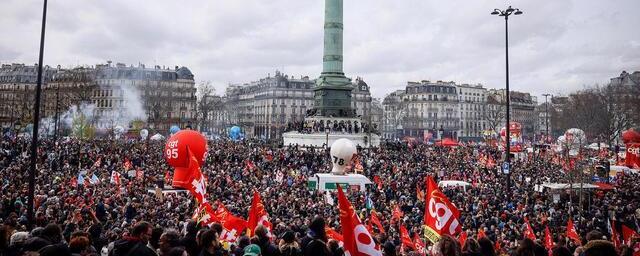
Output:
x=336 y=126
x=130 y=219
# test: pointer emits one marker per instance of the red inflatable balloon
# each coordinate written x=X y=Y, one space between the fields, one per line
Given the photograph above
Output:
x=631 y=136
x=177 y=147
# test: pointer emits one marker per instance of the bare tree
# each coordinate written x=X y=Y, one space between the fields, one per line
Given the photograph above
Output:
x=620 y=111
x=494 y=115
x=206 y=103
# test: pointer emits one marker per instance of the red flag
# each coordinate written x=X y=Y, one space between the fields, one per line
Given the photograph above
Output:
x=233 y=227
x=491 y=163
x=572 y=233
x=548 y=239
x=615 y=237
x=397 y=214
x=528 y=232
x=481 y=233
x=332 y=234
x=376 y=179
x=374 y=219
x=406 y=239
x=497 y=247
x=462 y=239
x=440 y=216
x=126 y=165
x=357 y=240
x=628 y=234
x=258 y=215
x=198 y=183
x=420 y=246
x=250 y=165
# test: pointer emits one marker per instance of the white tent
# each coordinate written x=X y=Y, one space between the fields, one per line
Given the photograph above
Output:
x=157 y=136
x=454 y=183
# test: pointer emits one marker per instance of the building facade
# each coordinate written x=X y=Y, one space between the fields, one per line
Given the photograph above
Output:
x=160 y=97
x=17 y=93
x=522 y=110
x=263 y=108
x=472 y=106
x=108 y=95
x=429 y=108
x=393 y=112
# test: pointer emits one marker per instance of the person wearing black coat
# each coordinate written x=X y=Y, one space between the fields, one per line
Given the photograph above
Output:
x=315 y=243
x=136 y=244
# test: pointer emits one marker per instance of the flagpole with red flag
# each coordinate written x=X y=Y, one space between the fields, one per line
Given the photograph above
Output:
x=357 y=240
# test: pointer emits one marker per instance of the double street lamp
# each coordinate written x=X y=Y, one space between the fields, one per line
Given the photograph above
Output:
x=506 y=13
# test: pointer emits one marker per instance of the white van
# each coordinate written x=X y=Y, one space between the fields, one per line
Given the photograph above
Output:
x=330 y=182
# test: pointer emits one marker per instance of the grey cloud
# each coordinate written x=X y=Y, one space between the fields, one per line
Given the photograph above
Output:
x=556 y=46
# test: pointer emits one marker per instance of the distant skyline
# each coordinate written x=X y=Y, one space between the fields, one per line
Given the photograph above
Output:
x=555 y=46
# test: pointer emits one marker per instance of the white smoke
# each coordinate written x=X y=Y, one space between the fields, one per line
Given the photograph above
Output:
x=132 y=106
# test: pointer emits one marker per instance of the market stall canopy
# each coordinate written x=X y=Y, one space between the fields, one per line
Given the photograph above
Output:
x=568 y=186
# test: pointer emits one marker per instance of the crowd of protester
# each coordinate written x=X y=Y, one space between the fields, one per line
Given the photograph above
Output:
x=100 y=218
x=336 y=126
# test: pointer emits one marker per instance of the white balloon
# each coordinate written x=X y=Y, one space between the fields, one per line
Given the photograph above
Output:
x=118 y=130
x=342 y=152
x=144 y=133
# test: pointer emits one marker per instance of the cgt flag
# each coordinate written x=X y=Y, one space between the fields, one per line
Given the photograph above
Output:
x=406 y=239
x=357 y=240
x=440 y=216
x=258 y=216
x=548 y=239
x=572 y=233
x=528 y=232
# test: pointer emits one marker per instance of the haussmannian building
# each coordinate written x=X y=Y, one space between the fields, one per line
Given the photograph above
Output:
x=263 y=108
x=167 y=96
x=523 y=110
x=17 y=93
x=472 y=105
x=430 y=107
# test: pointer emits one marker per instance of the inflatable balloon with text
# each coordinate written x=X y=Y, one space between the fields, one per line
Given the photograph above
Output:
x=177 y=151
x=342 y=153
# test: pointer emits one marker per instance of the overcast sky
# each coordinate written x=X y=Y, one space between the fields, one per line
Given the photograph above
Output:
x=555 y=47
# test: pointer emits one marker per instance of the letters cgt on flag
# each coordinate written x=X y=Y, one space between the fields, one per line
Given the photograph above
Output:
x=441 y=216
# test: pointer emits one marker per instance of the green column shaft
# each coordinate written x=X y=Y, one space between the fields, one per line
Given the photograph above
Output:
x=333 y=28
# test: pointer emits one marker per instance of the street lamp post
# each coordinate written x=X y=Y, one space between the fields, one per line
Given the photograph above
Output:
x=546 y=114
x=36 y=119
x=506 y=13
